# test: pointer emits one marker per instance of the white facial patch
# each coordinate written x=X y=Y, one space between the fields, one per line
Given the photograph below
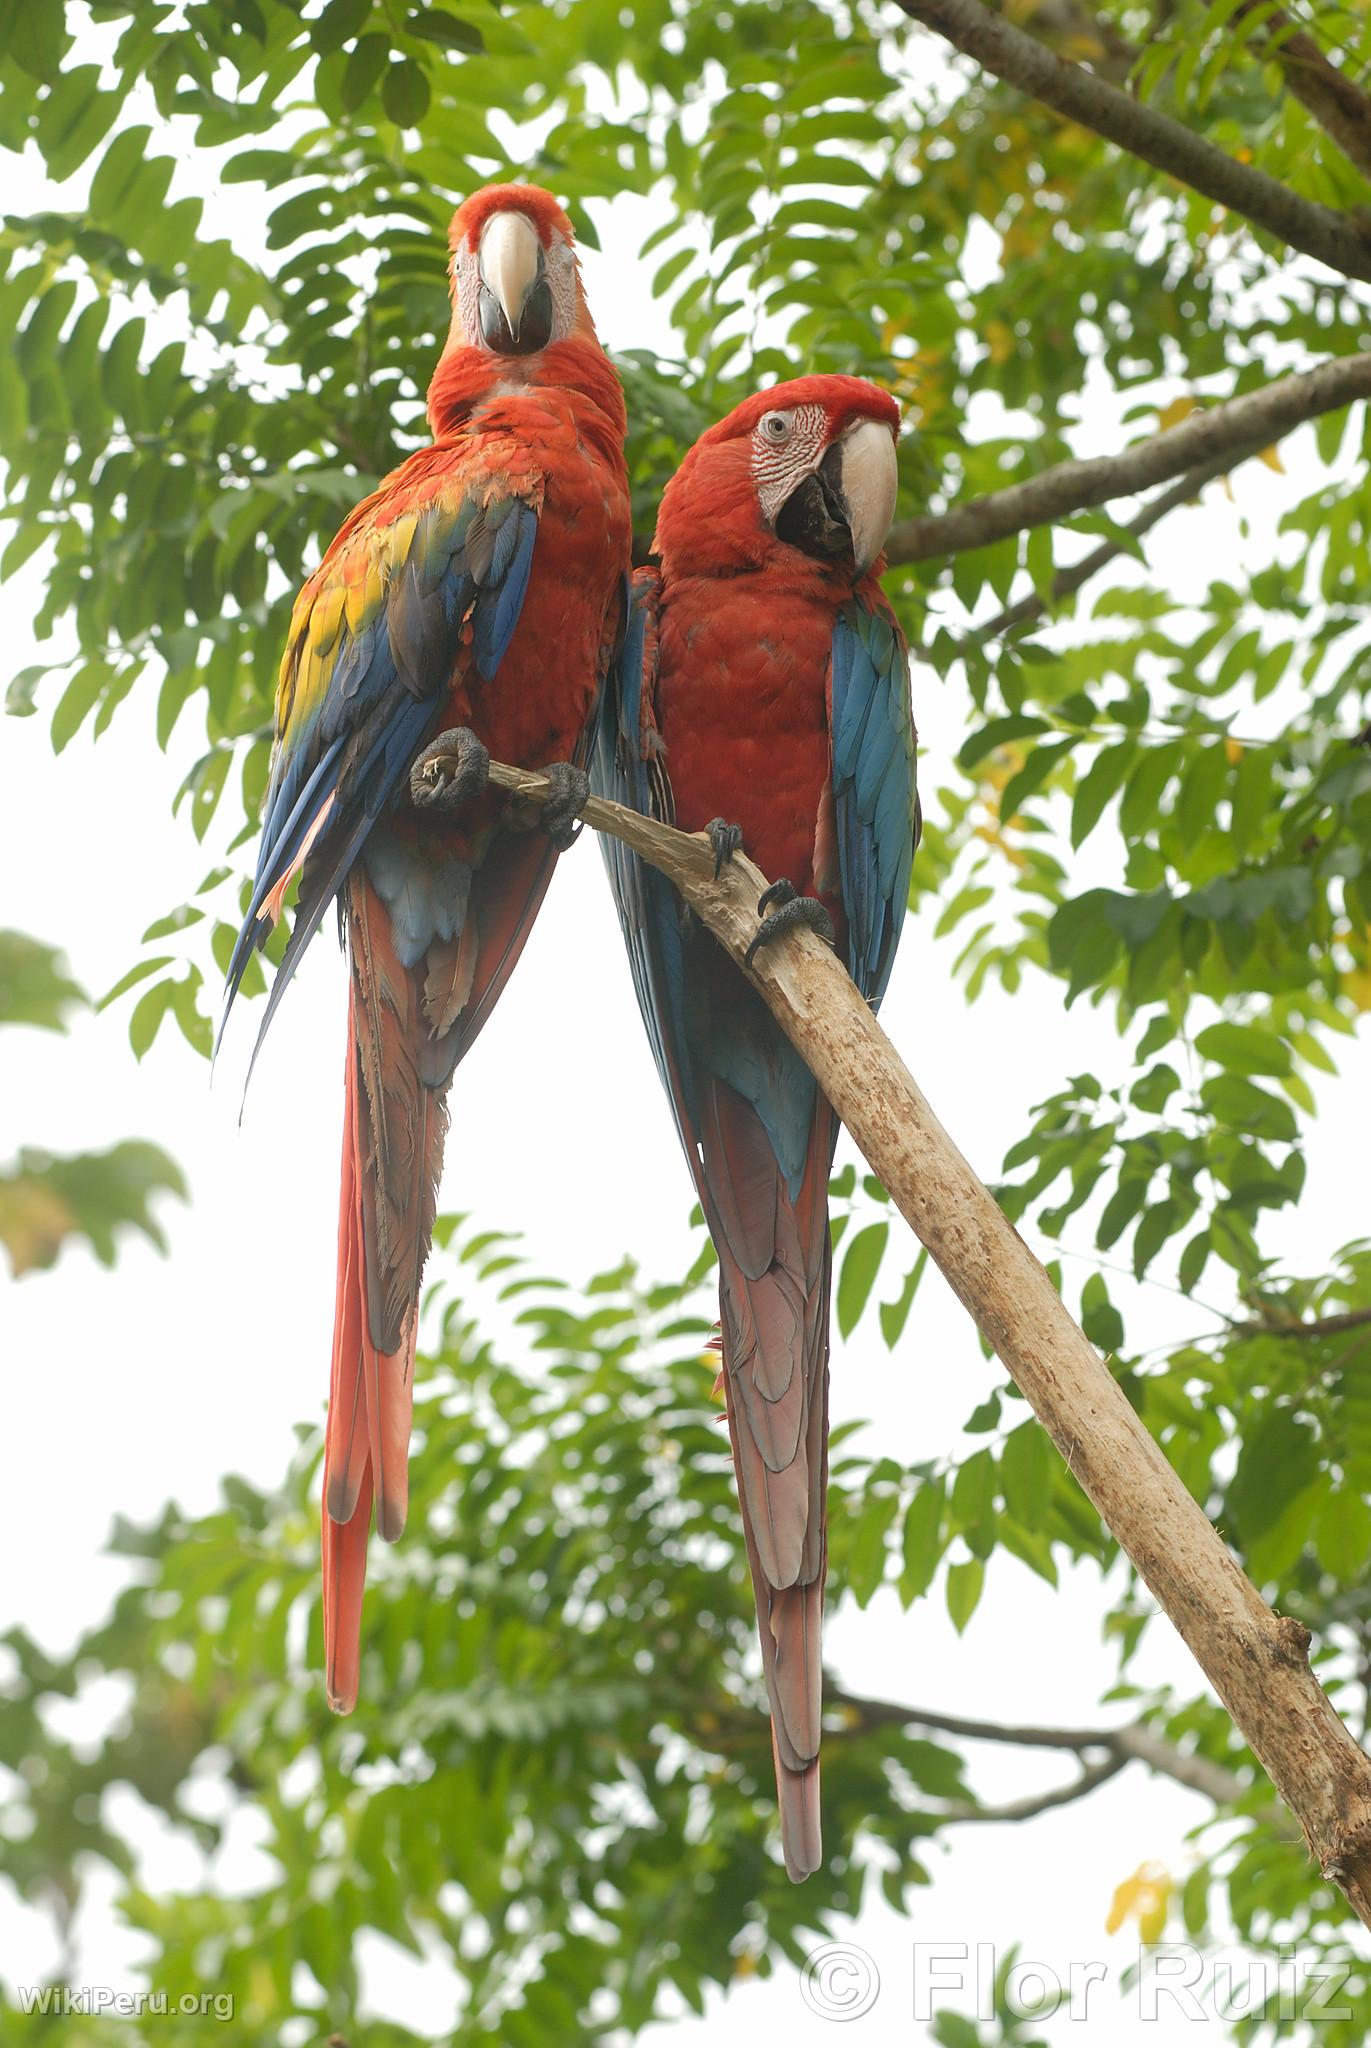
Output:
x=787 y=446
x=465 y=272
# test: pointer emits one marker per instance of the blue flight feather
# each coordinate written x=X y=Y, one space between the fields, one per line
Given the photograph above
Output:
x=384 y=692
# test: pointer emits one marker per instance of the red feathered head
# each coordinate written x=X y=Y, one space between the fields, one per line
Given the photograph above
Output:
x=516 y=288
x=808 y=466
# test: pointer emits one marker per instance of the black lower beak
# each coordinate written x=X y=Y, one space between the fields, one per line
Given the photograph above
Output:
x=815 y=517
x=535 y=322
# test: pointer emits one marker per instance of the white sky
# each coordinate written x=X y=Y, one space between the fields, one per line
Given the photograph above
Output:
x=124 y=1388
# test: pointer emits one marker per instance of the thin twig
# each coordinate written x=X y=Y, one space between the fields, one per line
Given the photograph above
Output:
x=1135 y=1742
x=1320 y=1326
x=1068 y=581
x=1340 y=240
x=1090 y=1778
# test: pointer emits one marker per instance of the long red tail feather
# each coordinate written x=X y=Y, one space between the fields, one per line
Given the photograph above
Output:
x=407 y=1028
x=774 y=1273
x=393 y=1128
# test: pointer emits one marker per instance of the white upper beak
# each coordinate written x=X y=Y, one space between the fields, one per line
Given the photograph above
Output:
x=870 y=478
x=509 y=258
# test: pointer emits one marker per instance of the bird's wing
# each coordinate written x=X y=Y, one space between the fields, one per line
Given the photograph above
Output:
x=628 y=766
x=874 y=798
x=759 y=1142
x=429 y=572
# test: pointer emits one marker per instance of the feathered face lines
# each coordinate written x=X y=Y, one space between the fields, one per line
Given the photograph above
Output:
x=798 y=478
x=787 y=445
x=826 y=486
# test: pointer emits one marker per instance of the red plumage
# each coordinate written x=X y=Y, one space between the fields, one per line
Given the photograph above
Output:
x=479 y=587
x=732 y=705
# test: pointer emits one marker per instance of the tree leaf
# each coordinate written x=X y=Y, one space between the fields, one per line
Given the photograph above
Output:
x=861 y=1263
x=964 y=1586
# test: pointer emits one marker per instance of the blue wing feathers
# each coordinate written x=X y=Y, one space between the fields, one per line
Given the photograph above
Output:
x=648 y=911
x=509 y=572
x=873 y=787
x=381 y=694
x=280 y=844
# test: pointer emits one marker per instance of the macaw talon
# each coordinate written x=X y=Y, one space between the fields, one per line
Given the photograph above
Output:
x=725 y=839
x=561 y=814
x=451 y=772
x=794 y=910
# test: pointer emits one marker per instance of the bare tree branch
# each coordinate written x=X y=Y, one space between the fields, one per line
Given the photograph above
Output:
x=1136 y=1742
x=1068 y=581
x=1220 y=434
x=1094 y=40
x=887 y=1713
x=1339 y=240
x=1257 y=1661
x=1320 y=1326
x=1091 y=1777
x=1337 y=103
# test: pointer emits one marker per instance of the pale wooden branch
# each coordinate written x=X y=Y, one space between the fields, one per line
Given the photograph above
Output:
x=1340 y=240
x=1218 y=434
x=1256 y=1661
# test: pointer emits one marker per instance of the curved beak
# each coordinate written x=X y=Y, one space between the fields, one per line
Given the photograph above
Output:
x=511 y=265
x=863 y=475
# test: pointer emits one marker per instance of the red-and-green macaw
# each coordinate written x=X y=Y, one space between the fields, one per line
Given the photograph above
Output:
x=765 y=681
x=480 y=588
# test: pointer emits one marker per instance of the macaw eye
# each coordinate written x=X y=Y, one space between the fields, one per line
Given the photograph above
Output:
x=776 y=425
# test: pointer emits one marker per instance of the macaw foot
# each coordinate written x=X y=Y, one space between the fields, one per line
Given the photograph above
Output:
x=561 y=814
x=794 y=911
x=725 y=839
x=450 y=773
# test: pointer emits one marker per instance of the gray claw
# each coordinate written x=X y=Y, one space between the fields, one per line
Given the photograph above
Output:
x=561 y=814
x=794 y=910
x=451 y=772
x=725 y=839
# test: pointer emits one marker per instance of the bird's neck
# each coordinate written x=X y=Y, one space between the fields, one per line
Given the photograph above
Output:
x=467 y=380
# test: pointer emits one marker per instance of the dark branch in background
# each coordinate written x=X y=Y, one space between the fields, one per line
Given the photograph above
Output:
x=1322 y=1326
x=1336 y=102
x=1339 y=240
x=1097 y=42
x=1088 y=1780
x=1339 y=106
x=1134 y=1743
x=1068 y=581
x=1206 y=445
x=1220 y=434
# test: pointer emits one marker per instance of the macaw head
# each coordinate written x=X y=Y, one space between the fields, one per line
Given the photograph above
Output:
x=516 y=288
x=807 y=466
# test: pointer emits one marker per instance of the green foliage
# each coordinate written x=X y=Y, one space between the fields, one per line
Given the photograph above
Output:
x=588 y=1723
x=1161 y=804
x=558 y=1675
x=46 y=1201
x=35 y=987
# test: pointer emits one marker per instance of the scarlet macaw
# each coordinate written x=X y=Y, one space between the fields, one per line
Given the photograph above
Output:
x=764 y=678
x=479 y=588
